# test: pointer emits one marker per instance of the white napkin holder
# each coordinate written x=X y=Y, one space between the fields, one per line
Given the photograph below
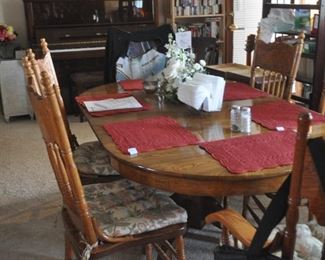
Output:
x=203 y=92
x=192 y=94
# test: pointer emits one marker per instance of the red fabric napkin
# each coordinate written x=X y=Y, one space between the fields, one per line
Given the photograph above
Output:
x=133 y=84
x=81 y=99
x=241 y=91
x=281 y=114
x=255 y=152
x=150 y=134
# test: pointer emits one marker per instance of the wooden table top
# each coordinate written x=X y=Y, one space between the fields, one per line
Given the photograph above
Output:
x=188 y=170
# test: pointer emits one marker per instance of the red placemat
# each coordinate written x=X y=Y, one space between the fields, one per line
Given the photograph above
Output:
x=150 y=134
x=81 y=99
x=133 y=84
x=281 y=114
x=241 y=91
x=255 y=152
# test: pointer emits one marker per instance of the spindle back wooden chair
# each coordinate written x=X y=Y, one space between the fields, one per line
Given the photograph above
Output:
x=304 y=183
x=278 y=63
x=91 y=157
x=206 y=48
x=273 y=83
x=92 y=228
x=280 y=57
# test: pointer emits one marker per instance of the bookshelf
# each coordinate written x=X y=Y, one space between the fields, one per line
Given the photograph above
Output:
x=206 y=19
x=311 y=72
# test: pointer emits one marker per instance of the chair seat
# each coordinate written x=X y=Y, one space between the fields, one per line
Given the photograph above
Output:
x=125 y=208
x=91 y=158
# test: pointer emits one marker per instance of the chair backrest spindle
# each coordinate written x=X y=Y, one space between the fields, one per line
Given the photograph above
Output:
x=44 y=47
x=273 y=83
x=249 y=48
x=37 y=72
x=322 y=103
x=55 y=136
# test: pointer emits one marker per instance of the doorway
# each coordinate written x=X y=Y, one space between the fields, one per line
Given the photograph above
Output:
x=247 y=15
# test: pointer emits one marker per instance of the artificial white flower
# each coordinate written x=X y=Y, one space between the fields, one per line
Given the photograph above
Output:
x=171 y=71
x=180 y=67
x=203 y=63
x=192 y=55
x=197 y=67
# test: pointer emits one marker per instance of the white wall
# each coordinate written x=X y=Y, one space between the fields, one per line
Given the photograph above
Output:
x=12 y=13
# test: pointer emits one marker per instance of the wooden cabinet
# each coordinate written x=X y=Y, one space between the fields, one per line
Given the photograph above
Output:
x=14 y=96
x=316 y=59
x=205 y=18
x=76 y=32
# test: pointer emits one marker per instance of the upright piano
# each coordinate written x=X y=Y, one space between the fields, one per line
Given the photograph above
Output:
x=76 y=31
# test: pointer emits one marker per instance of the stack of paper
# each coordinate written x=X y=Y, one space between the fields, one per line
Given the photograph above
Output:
x=203 y=92
x=112 y=104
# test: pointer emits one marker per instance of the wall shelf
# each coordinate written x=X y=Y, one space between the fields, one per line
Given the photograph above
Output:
x=213 y=15
x=199 y=16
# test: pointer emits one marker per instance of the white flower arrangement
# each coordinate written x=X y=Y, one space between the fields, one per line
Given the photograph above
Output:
x=181 y=66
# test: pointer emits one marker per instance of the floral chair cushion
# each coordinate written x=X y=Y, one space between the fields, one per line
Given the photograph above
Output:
x=91 y=158
x=123 y=208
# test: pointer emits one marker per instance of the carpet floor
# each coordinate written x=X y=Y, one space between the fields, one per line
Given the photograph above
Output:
x=30 y=220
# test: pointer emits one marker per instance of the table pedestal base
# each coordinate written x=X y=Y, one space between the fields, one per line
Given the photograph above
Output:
x=197 y=208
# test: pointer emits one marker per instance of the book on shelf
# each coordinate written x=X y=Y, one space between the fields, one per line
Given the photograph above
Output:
x=302 y=20
x=197 y=7
x=214 y=27
x=209 y=28
x=314 y=30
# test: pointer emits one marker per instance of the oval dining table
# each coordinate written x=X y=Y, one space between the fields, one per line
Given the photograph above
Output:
x=187 y=170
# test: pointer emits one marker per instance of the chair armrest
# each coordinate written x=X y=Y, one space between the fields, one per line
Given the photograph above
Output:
x=236 y=224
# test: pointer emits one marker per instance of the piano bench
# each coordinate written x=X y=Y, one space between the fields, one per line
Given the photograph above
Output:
x=80 y=82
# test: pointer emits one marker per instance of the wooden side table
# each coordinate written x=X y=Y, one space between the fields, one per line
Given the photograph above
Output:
x=14 y=96
x=231 y=71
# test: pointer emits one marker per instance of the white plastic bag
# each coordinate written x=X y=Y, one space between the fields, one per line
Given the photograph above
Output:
x=147 y=65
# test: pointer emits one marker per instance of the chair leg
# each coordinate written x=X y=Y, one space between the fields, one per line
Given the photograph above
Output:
x=149 y=255
x=180 y=250
x=81 y=117
x=224 y=236
x=68 y=249
x=245 y=203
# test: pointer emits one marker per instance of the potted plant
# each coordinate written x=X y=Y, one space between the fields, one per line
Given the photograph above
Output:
x=8 y=45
